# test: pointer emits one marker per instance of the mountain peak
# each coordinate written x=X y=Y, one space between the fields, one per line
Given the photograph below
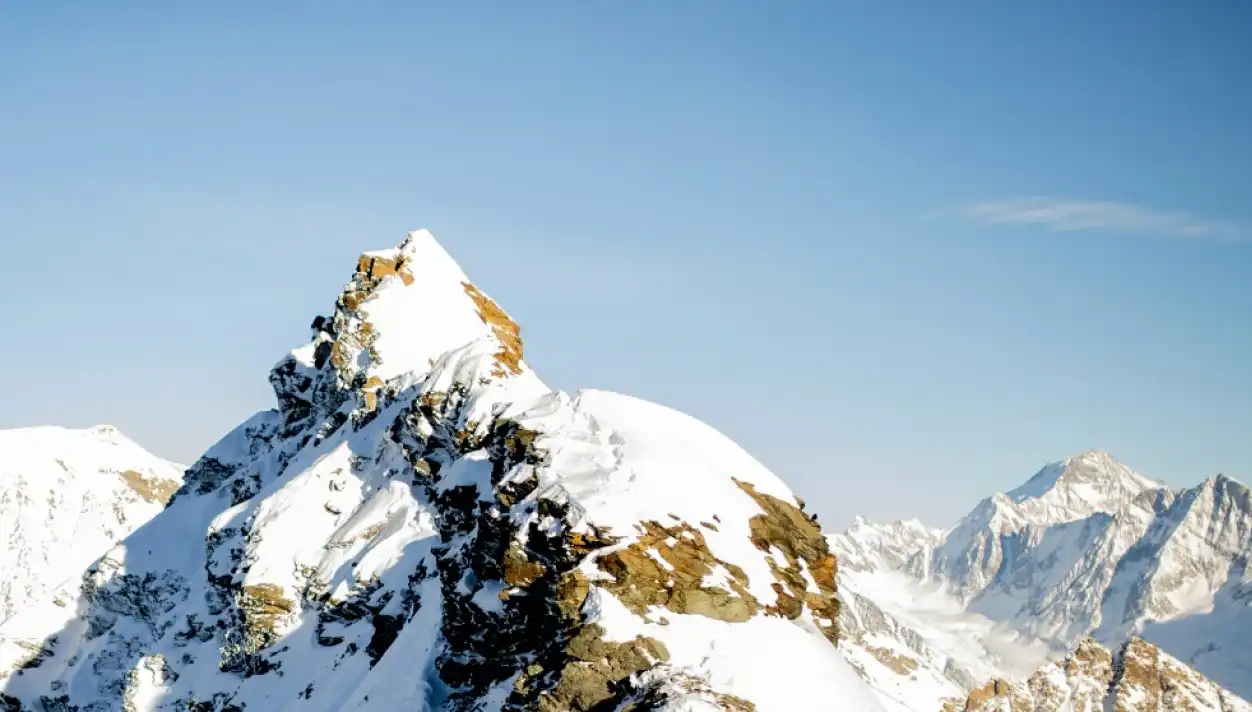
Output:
x=1222 y=480
x=418 y=279
x=1093 y=455
x=423 y=524
x=105 y=431
x=405 y=310
x=1229 y=495
x=1088 y=482
x=66 y=496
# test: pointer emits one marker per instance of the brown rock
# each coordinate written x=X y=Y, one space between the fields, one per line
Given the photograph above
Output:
x=784 y=528
x=152 y=489
x=899 y=664
x=595 y=670
x=641 y=580
x=518 y=570
x=507 y=332
x=263 y=606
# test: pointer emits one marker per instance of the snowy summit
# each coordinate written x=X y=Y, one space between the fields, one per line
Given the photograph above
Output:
x=66 y=497
x=422 y=524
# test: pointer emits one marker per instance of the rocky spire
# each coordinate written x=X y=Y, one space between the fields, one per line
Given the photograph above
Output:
x=404 y=309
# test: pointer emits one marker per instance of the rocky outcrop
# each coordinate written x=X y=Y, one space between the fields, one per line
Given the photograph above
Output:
x=666 y=567
x=1138 y=678
x=506 y=331
x=150 y=488
x=785 y=528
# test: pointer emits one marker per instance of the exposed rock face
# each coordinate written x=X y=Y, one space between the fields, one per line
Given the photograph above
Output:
x=666 y=567
x=421 y=523
x=1138 y=678
x=66 y=497
x=506 y=331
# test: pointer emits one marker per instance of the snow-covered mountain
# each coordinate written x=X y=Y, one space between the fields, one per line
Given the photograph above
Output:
x=1085 y=547
x=913 y=646
x=422 y=524
x=868 y=546
x=66 y=497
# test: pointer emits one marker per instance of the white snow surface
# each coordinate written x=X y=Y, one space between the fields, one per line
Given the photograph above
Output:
x=305 y=566
x=64 y=501
x=657 y=450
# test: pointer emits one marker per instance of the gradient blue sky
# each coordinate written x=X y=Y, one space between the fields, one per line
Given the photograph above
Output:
x=905 y=253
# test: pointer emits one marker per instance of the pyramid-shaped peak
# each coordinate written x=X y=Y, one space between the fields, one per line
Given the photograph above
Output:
x=1088 y=482
x=1222 y=487
x=405 y=309
x=1221 y=479
x=419 y=251
x=414 y=303
x=1094 y=457
x=1100 y=465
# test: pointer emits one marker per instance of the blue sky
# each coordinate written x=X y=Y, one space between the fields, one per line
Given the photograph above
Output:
x=905 y=255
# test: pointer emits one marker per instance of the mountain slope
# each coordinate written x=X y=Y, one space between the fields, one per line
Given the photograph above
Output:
x=1137 y=678
x=915 y=644
x=1088 y=547
x=907 y=670
x=66 y=497
x=423 y=524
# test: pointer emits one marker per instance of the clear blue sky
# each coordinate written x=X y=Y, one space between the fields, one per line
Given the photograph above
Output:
x=904 y=252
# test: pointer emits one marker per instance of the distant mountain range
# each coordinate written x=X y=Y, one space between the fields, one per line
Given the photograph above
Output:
x=1085 y=547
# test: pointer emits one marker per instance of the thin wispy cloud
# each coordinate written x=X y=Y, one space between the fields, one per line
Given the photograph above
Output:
x=1067 y=215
